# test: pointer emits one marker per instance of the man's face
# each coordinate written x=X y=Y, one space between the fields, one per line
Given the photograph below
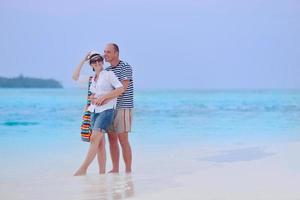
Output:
x=110 y=54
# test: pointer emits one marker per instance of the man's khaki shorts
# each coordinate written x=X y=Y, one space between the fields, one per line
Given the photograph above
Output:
x=122 y=121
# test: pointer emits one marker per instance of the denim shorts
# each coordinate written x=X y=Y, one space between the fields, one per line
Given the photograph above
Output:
x=101 y=121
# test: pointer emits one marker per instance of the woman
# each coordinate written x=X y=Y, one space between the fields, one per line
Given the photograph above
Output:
x=105 y=87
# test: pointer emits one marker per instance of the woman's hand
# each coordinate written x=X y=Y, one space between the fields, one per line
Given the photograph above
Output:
x=76 y=72
x=93 y=99
x=87 y=57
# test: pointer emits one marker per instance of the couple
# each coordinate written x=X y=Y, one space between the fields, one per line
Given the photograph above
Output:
x=111 y=108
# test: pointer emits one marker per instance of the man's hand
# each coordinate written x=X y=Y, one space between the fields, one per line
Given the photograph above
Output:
x=101 y=100
x=105 y=101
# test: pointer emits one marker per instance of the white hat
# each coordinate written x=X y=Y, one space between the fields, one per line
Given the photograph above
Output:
x=94 y=53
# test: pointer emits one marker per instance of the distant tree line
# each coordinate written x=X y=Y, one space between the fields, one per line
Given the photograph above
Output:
x=26 y=82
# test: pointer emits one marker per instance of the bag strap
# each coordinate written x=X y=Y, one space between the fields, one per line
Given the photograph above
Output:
x=89 y=91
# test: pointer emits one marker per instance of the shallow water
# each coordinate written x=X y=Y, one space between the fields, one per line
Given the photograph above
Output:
x=40 y=144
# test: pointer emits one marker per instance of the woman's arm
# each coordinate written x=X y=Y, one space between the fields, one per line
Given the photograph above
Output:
x=77 y=70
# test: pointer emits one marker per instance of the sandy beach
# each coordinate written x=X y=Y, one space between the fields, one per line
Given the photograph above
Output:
x=236 y=171
x=262 y=173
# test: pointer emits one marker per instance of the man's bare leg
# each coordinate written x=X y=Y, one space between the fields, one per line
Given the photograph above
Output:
x=114 y=152
x=94 y=144
x=101 y=155
x=126 y=150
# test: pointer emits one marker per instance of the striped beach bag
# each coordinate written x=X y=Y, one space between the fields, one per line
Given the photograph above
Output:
x=86 y=118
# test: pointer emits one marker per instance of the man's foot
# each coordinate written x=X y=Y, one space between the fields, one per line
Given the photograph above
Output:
x=80 y=173
x=102 y=172
x=128 y=170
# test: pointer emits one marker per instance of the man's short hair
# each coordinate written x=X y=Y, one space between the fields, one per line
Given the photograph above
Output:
x=116 y=47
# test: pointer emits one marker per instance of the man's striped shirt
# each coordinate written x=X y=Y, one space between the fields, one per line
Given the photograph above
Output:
x=124 y=72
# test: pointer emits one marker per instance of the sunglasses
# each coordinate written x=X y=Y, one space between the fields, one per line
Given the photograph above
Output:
x=95 y=60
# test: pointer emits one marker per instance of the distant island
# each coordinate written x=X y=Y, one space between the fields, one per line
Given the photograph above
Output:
x=26 y=82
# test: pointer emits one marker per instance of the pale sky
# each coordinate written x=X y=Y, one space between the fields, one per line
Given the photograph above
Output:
x=188 y=44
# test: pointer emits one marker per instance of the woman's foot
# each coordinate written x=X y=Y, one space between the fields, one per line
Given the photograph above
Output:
x=80 y=172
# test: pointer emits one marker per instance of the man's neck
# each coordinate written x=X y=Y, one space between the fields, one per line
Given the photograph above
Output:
x=114 y=63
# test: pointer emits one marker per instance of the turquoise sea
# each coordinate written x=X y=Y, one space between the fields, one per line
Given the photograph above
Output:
x=40 y=127
x=159 y=116
x=33 y=118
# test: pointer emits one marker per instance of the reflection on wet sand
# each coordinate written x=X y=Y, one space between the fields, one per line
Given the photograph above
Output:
x=109 y=186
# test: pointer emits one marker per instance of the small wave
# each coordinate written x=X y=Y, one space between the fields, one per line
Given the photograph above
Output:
x=264 y=108
x=14 y=123
x=181 y=109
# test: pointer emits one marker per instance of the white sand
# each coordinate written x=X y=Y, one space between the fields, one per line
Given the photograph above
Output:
x=241 y=172
x=273 y=175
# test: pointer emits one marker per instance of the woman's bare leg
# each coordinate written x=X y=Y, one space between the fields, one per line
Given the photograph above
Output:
x=114 y=152
x=94 y=144
x=101 y=155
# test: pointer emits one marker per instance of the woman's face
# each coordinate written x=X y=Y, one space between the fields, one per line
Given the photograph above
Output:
x=96 y=63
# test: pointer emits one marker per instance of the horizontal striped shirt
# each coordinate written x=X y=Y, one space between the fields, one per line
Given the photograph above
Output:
x=124 y=72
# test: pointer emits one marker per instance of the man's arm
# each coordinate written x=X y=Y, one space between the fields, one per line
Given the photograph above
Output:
x=125 y=84
x=111 y=95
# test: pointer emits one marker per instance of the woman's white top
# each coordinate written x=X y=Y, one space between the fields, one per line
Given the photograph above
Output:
x=106 y=82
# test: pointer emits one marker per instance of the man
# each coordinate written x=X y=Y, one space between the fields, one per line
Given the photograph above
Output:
x=118 y=132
